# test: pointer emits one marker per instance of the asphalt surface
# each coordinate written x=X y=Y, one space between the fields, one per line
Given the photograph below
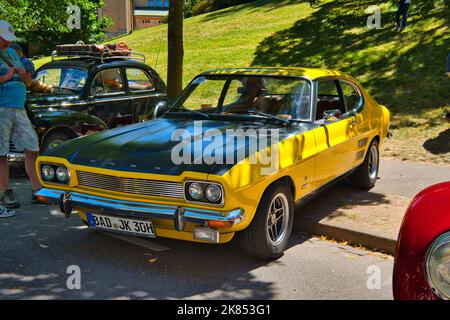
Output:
x=37 y=248
x=407 y=178
x=38 y=245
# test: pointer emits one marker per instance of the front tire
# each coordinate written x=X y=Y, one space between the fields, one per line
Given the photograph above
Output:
x=366 y=175
x=267 y=236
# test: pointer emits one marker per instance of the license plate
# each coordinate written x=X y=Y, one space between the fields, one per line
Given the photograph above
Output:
x=143 y=228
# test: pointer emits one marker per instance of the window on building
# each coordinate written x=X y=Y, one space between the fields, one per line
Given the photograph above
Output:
x=158 y=3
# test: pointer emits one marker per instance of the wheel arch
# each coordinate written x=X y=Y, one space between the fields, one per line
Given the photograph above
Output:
x=59 y=129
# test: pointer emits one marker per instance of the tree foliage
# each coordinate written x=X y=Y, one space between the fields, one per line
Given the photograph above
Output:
x=45 y=21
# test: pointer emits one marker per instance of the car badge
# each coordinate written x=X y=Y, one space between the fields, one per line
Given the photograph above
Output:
x=133 y=166
x=111 y=164
x=157 y=168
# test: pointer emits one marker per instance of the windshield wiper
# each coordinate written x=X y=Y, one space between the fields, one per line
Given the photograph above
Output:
x=265 y=115
x=204 y=115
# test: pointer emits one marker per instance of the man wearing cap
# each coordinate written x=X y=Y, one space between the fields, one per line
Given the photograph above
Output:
x=14 y=123
x=447 y=69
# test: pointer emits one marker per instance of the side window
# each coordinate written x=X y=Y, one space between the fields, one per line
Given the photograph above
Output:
x=328 y=98
x=107 y=82
x=138 y=80
x=352 y=97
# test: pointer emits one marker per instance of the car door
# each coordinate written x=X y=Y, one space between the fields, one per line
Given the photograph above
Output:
x=108 y=99
x=143 y=93
x=354 y=104
x=334 y=134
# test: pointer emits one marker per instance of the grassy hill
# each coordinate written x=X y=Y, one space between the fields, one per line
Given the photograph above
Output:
x=404 y=71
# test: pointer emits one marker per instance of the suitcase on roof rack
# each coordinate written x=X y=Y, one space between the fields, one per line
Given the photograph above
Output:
x=81 y=49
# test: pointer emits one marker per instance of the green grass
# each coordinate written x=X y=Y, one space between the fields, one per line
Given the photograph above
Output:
x=404 y=71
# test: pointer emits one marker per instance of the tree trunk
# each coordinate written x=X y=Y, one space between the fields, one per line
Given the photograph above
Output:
x=175 y=45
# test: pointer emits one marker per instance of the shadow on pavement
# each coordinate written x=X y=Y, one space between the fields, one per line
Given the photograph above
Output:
x=440 y=144
x=329 y=203
x=37 y=246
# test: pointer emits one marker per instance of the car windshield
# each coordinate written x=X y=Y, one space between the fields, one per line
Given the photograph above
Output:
x=63 y=80
x=282 y=97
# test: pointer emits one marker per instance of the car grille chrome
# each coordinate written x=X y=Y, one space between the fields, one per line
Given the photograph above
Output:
x=131 y=185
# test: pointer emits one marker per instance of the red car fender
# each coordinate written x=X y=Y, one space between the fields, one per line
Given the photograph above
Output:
x=427 y=217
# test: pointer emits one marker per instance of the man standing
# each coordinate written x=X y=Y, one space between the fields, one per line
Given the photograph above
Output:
x=402 y=11
x=14 y=123
x=447 y=68
x=29 y=66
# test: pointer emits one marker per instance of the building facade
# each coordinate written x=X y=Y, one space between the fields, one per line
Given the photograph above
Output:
x=128 y=15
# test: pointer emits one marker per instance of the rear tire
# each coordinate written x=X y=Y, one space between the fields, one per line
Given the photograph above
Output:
x=53 y=140
x=267 y=236
x=366 y=175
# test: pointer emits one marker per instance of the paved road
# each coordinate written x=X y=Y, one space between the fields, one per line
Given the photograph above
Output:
x=37 y=246
x=407 y=179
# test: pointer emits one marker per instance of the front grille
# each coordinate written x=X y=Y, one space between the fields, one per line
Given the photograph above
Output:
x=131 y=185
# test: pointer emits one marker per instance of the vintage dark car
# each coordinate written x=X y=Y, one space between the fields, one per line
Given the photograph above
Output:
x=422 y=258
x=91 y=94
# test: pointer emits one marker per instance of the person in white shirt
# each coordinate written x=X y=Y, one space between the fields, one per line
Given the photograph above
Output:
x=402 y=11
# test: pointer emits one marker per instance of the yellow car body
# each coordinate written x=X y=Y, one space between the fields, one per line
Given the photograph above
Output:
x=308 y=162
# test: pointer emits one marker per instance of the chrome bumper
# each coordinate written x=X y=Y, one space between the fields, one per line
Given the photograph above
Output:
x=69 y=200
x=15 y=157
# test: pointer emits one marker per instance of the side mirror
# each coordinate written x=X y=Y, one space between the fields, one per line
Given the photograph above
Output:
x=160 y=109
x=331 y=115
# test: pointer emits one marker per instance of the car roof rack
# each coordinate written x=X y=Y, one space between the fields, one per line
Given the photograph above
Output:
x=102 y=56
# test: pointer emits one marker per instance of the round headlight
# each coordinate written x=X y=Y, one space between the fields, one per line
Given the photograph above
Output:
x=62 y=175
x=48 y=173
x=438 y=266
x=195 y=191
x=213 y=193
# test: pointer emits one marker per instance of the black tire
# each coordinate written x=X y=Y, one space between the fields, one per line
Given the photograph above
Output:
x=52 y=139
x=366 y=175
x=256 y=240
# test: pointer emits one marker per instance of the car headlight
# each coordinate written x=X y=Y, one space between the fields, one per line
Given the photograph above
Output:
x=438 y=266
x=62 y=174
x=206 y=192
x=213 y=193
x=55 y=173
x=195 y=191
x=48 y=173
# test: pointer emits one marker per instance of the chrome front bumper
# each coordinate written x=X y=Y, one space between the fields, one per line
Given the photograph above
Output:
x=69 y=200
x=15 y=157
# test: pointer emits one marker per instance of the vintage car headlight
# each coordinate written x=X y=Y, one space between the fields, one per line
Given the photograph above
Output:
x=206 y=192
x=213 y=193
x=438 y=266
x=62 y=174
x=48 y=173
x=195 y=191
x=55 y=173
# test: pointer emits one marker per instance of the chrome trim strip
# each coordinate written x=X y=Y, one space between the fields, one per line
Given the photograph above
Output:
x=137 y=209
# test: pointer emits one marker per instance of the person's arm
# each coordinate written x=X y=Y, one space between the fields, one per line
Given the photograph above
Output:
x=8 y=76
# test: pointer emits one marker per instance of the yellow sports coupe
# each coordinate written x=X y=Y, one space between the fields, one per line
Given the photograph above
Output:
x=232 y=155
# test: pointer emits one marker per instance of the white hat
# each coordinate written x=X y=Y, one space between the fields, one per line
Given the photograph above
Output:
x=7 y=31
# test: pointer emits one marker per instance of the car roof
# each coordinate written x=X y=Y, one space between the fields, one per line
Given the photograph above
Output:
x=310 y=73
x=89 y=63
